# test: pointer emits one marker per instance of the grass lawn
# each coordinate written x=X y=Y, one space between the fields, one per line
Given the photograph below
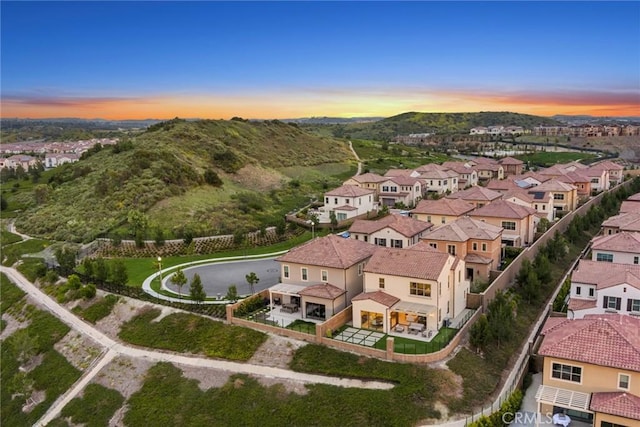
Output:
x=409 y=346
x=9 y=293
x=14 y=252
x=547 y=158
x=302 y=326
x=193 y=334
x=32 y=268
x=7 y=238
x=99 y=309
x=95 y=408
x=167 y=398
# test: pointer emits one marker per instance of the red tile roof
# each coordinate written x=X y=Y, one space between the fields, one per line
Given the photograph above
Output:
x=622 y=404
x=349 y=191
x=510 y=161
x=503 y=209
x=630 y=206
x=555 y=185
x=463 y=229
x=369 y=177
x=453 y=207
x=406 y=226
x=634 y=198
x=323 y=290
x=629 y=221
x=592 y=340
x=620 y=242
x=419 y=262
x=476 y=193
x=581 y=304
x=330 y=251
x=606 y=274
x=398 y=172
x=379 y=297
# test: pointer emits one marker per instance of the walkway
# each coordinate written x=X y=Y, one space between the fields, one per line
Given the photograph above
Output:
x=357 y=158
x=117 y=348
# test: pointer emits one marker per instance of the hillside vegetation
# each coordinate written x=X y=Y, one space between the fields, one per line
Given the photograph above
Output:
x=439 y=123
x=211 y=177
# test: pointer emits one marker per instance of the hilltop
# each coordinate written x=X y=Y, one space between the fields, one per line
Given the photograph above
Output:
x=208 y=176
x=438 y=123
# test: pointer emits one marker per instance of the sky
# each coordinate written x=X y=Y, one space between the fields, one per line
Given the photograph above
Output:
x=158 y=59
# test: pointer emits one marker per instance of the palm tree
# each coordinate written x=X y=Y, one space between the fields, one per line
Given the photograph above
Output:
x=179 y=279
x=252 y=280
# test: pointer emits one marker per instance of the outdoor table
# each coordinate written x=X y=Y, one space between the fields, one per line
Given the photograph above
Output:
x=416 y=327
x=289 y=308
x=561 y=419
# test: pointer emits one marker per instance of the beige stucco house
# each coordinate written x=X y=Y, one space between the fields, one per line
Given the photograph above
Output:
x=349 y=201
x=518 y=222
x=441 y=211
x=394 y=231
x=477 y=196
x=629 y=221
x=565 y=196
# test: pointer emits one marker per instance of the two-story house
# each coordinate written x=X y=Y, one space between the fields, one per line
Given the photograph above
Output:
x=404 y=190
x=322 y=276
x=518 y=222
x=620 y=248
x=629 y=221
x=468 y=177
x=477 y=196
x=369 y=181
x=628 y=206
x=615 y=171
x=598 y=288
x=591 y=370
x=565 y=196
x=394 y=231
x=476 y=242
x=439 y=179
x=599 y=177
x=417 y=289
x=349 y=201
x=541 y=201
x=441 y=211
x=487 y=168
x=511 y=166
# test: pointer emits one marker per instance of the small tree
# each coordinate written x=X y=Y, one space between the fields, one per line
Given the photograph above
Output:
x=196 y=290
x=479 y=333
x=179 y=279
x=118 y=272
x=333 y=219
x=66 y=259
x=101 y=270
x=252 y=280
x=232 y=293
x=159 y=237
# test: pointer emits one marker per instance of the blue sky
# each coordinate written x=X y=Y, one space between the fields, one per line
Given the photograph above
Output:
x=293 y=59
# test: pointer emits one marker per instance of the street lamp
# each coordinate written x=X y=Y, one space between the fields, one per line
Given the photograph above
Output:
x=313 y=224
x=160 y=269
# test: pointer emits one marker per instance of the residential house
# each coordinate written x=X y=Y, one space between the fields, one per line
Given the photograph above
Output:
x=597 y=288
x=480 y=130
x=403 y=190
x=477 y=243
x=541 y=201
x=629 y=206
x=322 y=276
x=615 y=171
x=468 y=177
x=511 y=166
x=619 y=248
x=565 y=196
x=349 y=201
x=591 y=370
x=629 y=221
x=394 y=231
x=417 y=289
x=505 y=185
x=20 y=160
x=487 y=168
x=439 y=179
x=402 y=172
x=477 y=196
x=369 y=181
x=599 y=177
x=51 y=160
x=441 y=211
x=519 y=222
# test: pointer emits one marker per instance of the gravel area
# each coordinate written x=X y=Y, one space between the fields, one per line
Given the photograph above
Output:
x=78 y=349
x=124 y=374
x=12 y=325
x=276 y=351
x=123 y=311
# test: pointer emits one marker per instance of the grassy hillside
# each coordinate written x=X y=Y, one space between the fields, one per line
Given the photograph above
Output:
x=439 y=123
x=207 y=176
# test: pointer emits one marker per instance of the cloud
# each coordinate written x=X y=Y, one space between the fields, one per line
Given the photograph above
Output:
x=67 y=101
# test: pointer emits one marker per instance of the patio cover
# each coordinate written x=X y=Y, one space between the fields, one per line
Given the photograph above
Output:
x=414 y=307
x=286 y=289
x=563 y=398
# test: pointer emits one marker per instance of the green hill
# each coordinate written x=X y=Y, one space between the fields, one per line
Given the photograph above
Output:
x=207 y=176
x=439 y=123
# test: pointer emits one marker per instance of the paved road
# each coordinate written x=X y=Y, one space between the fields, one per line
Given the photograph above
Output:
x=116 y=348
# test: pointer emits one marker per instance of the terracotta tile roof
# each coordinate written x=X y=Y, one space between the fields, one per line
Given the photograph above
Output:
x=555 y=185
x=330 y=251
x=368 y=177
x=476 y=193
x=488 y=167
x=621 y=242
x=406 y=226
x=628 y=221
x=634 y=198
x=379 y=297
x=606 y=274
x=346 y=208
x=404 y=180
x=484 y=161
x=608 y=165
x=594 y=171
x=322 y=290
x=399 y=172
x=453 y=207
x=502 y=185
x=510 y=161
x=630 y=206
x=618 y=403
x=477 y=259
x=535 y=175
x=419 y=262
x=349 y=191
x=522 y=195
x=438 y=174
x=429 y=167
x=463 y=229
x=590 y=340
x=503 y=209
x=581 y=304
x=458 y=167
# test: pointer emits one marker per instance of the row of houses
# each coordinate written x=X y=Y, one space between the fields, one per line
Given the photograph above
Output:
x=499 y=130
x=55 y=153
x=587 y=130
x=591 y=357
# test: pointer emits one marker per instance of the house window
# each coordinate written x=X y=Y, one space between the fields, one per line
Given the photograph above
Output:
x=557 y=196
x=633 y=305
x=380 y=242
x=443 y=220
x=544 y=207
x=305 y=274
x=325 y=275
x=566 y=372
x=474 y=245
x=508 y=225
x=360 y=268
x=604 y=257
x=335 y=201
x=484 y=247
x=347 y=201
x=578 y=290
x=394 y=189
x=396 y=244
x=591 y=292
x=612 y=303
x=608 y=424
x=420 y=289
x=385 y=188
x=285 y=271
x=326 y=200
x=451 y=249
x=341 y=216
x=623 y=381
x=636 y=260
x=366 y=239
x=428 y=218
x=381 y=283
x=447 y=307
x=433 y=245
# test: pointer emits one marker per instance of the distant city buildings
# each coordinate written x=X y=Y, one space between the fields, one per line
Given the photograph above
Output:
x=50 y=154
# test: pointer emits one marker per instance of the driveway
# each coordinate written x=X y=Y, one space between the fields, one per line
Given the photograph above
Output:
x=217 y=277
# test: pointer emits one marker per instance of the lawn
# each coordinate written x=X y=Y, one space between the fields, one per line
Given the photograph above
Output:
x=13 y=253
x=183 y=332
x=95 y=408
x=546 y=159
x=7 y=238
x=409 y=346
x=302 y=326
